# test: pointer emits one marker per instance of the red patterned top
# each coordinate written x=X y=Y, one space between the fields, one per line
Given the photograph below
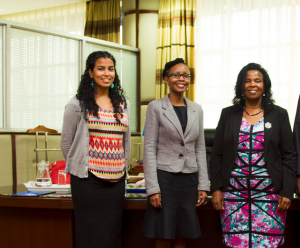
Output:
x=106 y=151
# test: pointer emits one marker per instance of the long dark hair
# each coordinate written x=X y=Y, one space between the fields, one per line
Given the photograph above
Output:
x=86 y=92
x=267 y=100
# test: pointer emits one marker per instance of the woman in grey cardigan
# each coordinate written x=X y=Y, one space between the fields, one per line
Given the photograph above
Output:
x=96 y=145
x=174 y=162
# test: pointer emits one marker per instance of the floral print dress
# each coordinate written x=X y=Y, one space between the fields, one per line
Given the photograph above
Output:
x=250 y=218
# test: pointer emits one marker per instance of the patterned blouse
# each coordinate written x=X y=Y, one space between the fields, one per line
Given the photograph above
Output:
x=106 y=151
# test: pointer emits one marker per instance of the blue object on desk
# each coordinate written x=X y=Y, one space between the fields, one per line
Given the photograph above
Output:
x=137 y=191
x=33 y=193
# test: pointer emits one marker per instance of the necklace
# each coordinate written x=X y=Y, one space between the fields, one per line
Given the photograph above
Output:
x=252 y=114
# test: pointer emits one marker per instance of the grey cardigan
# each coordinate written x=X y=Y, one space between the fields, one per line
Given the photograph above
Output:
x=168 y=148
x=75 y=139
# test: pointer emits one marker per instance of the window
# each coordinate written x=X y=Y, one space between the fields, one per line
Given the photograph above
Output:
x=231 y=34
x=129 y=84
x=44 y=75
x=1 y=77
x=44 y=71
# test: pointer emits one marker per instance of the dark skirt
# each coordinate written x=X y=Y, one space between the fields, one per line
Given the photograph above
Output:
x=98 y=207
x=178 y=216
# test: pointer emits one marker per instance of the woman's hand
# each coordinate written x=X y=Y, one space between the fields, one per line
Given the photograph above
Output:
x=283 y=203
x=218 y=200
x=297 y=191
x=202 y=196
x=155 y=200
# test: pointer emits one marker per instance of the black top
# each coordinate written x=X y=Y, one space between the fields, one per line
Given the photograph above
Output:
x=181 y=112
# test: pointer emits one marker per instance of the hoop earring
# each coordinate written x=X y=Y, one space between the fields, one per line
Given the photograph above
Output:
x=112 y=86
x=92 y=83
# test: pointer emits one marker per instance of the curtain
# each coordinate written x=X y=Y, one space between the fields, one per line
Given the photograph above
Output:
x=67 y=18
x=233 y=33
x=103 y=20
x=175 y=39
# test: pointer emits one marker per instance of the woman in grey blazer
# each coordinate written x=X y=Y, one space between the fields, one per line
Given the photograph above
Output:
x=96 y=145
x=174 y=162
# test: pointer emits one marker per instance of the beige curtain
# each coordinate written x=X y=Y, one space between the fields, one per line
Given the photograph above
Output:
x=103 y=20
x=175 y=39
x=68 y=18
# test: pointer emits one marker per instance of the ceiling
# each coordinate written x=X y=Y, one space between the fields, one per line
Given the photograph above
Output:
x=15 y=6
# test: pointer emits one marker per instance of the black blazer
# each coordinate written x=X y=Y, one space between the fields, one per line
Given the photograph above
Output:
x=297 y=135
x=280 y=155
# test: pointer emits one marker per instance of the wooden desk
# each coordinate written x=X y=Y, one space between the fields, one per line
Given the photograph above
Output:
x=38 y=222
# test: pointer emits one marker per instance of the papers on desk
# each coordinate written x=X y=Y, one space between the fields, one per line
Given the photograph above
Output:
x=63 y=189
x=135 y=190
x=134 y=195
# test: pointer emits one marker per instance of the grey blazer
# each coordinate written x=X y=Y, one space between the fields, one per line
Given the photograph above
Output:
x=167 y=148
x=75 y=139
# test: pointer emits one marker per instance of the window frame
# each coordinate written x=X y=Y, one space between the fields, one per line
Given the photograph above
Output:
x=7 y=25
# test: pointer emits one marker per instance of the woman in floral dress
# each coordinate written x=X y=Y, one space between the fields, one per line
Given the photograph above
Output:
x=253 y=164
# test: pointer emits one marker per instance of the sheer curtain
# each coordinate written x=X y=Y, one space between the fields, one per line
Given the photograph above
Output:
x=233 y=33
x=67 y=18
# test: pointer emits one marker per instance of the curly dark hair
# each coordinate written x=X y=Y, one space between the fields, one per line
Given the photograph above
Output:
x=267 y=100
x=86 y=92
x=170 y=64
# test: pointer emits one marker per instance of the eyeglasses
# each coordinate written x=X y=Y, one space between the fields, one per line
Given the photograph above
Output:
x=177 y=76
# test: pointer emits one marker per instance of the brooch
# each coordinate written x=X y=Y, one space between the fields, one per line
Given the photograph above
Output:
x=268 y=125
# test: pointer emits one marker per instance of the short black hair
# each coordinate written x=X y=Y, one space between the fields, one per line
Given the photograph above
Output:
x=267 y=100
x=170 y=64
